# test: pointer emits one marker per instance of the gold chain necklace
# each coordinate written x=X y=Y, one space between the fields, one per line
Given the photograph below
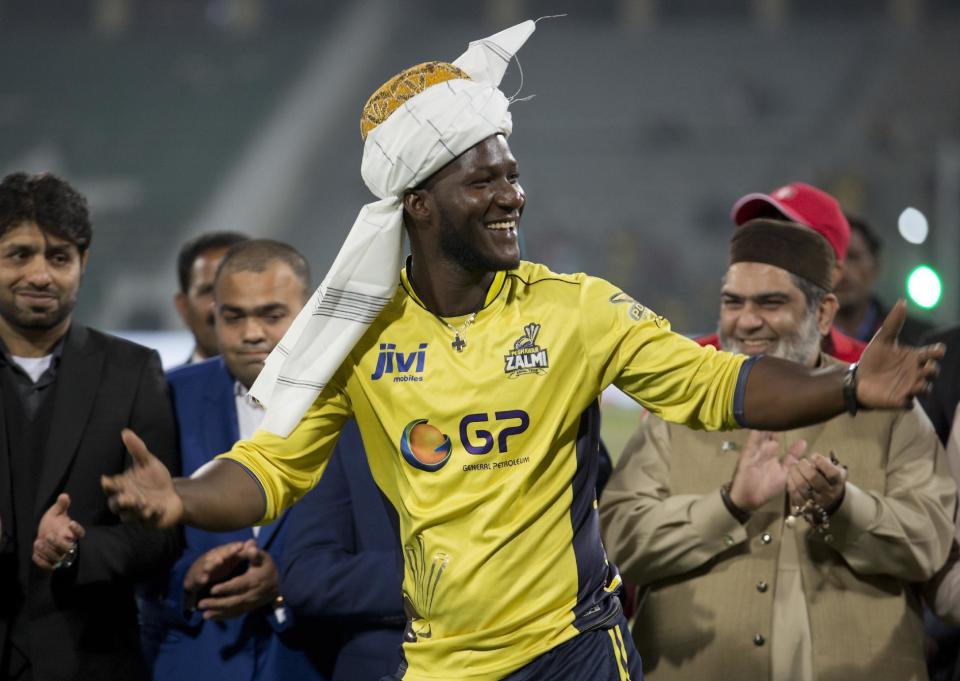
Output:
x=459 y=335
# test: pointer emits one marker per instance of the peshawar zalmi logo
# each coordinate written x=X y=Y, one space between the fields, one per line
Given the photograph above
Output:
x=636 y=311
x=526 y=357
x=418 y=606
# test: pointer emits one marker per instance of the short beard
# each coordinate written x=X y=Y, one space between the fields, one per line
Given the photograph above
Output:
x=455 y=246
x=28 y=321
x=797 y=347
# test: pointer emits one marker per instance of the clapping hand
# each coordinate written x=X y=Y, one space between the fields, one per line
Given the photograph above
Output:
x=255 y=587
x=817 y=482
x=57 y=536
x=761 y=474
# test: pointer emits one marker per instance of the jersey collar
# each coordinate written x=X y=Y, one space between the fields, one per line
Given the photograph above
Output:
x=496 y=286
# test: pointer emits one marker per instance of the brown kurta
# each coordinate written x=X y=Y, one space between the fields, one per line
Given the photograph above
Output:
x=709 y=611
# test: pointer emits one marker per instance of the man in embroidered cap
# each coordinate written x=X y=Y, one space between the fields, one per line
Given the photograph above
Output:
x=701 y=519
x=805 y=205
x=474 y=378
x=811 y=207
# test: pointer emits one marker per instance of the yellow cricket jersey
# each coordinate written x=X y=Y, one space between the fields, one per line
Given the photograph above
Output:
x=488 y=453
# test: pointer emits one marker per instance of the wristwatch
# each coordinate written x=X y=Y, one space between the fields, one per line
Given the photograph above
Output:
x=850 y=389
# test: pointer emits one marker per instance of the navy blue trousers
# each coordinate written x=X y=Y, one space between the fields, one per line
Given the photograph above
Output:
x=600 y=655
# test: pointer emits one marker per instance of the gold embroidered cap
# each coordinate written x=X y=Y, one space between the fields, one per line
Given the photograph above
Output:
x=406 y=84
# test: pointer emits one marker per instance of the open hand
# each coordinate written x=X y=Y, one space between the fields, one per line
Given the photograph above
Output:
x=890 y=374
x=760 y=474
x=258 y=586
x=144 y=492
x=57 y=535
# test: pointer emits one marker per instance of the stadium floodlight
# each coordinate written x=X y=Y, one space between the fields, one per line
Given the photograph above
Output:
x=913 y=226
x=924 y=286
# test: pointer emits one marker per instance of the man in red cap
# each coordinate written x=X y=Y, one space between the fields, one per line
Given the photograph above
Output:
x=813 y=208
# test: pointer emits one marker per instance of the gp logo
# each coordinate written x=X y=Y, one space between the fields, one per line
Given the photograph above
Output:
x=481 y=440
x=426 y=447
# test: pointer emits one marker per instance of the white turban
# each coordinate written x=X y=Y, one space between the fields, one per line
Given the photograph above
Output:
x=424 y=134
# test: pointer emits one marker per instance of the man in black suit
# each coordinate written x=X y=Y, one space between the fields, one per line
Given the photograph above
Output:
x=67 y=565
x=942 y=401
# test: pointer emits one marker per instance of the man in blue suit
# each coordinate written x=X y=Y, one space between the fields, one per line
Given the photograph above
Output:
x=341 y=570
x=223 y=615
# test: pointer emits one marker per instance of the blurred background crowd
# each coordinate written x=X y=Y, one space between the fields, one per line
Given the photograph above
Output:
x=648 y=119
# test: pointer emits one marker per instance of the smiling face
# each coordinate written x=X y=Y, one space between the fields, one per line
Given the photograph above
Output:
x=763 y=312
x=474 y=206
x=39 y=279
x=253 y=311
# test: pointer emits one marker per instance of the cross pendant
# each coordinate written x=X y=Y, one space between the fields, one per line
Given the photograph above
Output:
x=458 y=343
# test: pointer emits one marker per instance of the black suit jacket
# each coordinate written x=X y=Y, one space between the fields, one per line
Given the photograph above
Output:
x=82 y=621
x=941 y=403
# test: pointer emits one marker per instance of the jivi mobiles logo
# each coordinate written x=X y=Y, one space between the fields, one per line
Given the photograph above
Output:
x=424 y=446
x=408 y=367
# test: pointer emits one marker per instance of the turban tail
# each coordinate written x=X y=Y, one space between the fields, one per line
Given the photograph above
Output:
x=425 y=133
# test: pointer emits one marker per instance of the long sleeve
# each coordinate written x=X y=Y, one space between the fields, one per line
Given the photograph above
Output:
x=129 y=551
x=651 y=534
x=324 y=571
x=905 y=531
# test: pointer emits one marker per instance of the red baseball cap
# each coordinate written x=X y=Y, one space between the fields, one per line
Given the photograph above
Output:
x=803 y=204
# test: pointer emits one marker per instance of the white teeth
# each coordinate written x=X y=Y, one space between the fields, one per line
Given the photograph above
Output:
x=506 y=224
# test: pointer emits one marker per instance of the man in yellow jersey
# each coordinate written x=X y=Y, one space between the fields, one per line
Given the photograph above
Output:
x=474 y=378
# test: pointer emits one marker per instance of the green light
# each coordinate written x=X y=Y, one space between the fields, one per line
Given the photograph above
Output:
x=924 y=287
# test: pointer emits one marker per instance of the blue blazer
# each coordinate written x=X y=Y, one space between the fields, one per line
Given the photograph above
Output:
x=341 y=569
x=182 y=645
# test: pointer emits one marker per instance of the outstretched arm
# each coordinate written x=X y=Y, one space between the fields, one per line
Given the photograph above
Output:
x=782 y=395
x=250 y=484
x=221 y=496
